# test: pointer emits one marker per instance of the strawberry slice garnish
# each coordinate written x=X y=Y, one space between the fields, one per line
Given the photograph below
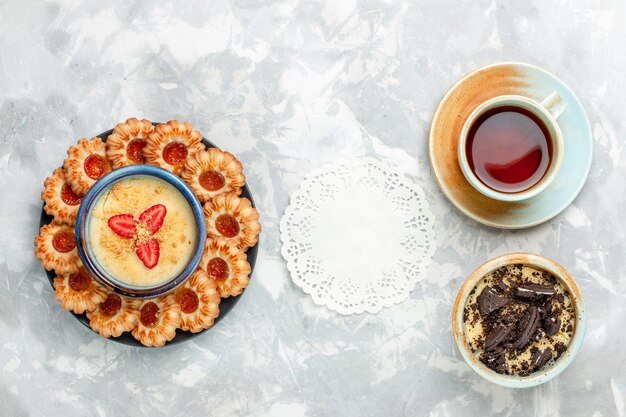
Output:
x=123 y=224
x=148 y=252
x=151 y=221
x=153 y=217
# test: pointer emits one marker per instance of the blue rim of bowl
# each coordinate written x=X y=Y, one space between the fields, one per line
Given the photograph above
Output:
x=551 y=371
x=82 y=233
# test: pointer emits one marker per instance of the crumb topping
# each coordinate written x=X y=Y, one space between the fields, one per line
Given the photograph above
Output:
x=518 y=319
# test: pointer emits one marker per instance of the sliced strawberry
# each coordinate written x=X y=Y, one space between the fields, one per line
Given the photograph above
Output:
x=148 y=252
x=153 y=217
x=123 y=225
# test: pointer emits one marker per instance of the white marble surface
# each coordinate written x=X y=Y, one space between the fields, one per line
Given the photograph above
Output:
x=288 y=85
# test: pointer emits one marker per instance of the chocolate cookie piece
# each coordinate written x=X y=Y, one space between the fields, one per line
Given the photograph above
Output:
x=526 y=327
x=560 y=348
x=489 y=300
x=540 y=358
x=533 y=291
x=551 y=325
x=496 y=360
x=496 y=336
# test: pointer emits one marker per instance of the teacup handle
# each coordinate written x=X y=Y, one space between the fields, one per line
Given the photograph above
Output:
x=554 y=104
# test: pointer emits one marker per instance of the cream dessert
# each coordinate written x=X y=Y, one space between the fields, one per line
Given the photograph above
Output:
x=518 y=319
x=142 y=231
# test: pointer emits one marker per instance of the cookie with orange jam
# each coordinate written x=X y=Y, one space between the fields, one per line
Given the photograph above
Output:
x=55 y=247
x=114 y=316
x=60 y=200
x=212 y=172
x=199 y=302
x=159 y=318
x=233 y=218
x=78 y=292
x=227 y=264
x=125 y=145
x=85 y=164
x=171 y=144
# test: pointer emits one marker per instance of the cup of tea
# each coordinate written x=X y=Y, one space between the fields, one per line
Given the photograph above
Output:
x=511 y=147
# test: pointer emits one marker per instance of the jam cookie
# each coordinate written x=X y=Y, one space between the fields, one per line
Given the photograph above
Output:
x=171 y=144
x=159 y=318
x=78 y=292
x=114 y=316
x=199 y=302
x=86 y=163
x=60 y=201
x=213 y=172
x=55 y=247
x=234 y=218
x=125 y=145
x=224 y=262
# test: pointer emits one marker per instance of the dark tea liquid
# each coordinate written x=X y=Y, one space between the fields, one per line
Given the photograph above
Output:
x=509 y=149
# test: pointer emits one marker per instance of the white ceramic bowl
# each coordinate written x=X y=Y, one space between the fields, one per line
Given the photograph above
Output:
x=546 y=373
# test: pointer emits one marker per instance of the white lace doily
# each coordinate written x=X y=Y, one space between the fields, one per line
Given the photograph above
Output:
x=357 y=236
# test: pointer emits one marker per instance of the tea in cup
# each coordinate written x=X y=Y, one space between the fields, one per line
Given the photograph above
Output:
x=511 y=147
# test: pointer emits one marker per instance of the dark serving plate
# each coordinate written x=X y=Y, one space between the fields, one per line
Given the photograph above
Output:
x=226 y=304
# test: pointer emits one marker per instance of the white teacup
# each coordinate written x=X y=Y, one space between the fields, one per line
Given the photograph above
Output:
x=547 y=112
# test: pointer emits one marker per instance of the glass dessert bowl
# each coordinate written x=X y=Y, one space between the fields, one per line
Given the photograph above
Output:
x=519 y=320
x=140 y=231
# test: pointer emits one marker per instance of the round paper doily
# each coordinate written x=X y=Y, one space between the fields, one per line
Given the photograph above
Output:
x=357 y=236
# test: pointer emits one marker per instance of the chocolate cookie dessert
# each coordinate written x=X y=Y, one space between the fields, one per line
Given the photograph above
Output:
x=518 y=319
